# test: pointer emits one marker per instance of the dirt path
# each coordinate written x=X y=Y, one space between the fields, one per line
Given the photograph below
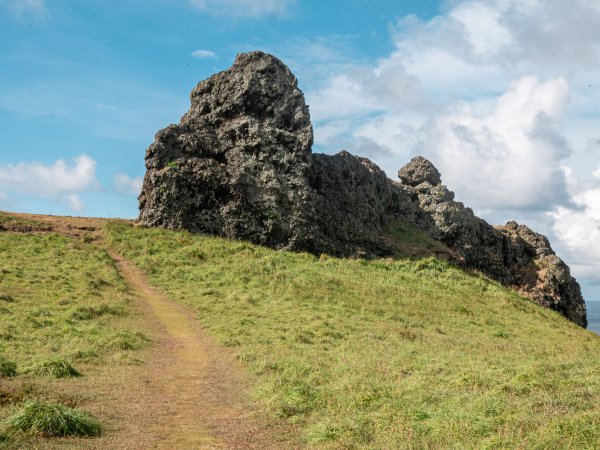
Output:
x=193 y=386
x=189 y=393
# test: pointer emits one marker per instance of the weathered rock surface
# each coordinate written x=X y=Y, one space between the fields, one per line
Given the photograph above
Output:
x=512 y=254
x=419 y=170
x=540 y=274
x=239 y=165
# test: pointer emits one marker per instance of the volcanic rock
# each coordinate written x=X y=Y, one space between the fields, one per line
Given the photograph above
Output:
x=239 y=165
x=512 y=254
x=419 y=170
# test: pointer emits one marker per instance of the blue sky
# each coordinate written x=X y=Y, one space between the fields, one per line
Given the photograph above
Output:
x=99 y=79
x=501 y=95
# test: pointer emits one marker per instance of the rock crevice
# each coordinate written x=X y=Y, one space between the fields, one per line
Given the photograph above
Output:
x=239 y=164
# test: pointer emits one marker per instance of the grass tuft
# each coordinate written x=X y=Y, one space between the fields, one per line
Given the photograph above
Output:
x=7 y=368
x=53 y=419
x=93 y=312
x=54 y=367
x=127 y=340
x=7 y=298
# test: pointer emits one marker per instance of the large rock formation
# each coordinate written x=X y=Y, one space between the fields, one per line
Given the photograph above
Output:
x=239 y=165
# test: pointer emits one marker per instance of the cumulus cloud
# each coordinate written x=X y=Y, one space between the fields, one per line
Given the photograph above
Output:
x=442 y=92
x=126 y=185
x=578 y=229
x=203 y=54
x=470 y=52
x=242 y=8
x=343 y=96
x=529 y=33
x=510 y=156
x=58 y=180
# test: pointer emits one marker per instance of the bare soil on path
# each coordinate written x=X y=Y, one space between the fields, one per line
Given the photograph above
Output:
x=188 y=394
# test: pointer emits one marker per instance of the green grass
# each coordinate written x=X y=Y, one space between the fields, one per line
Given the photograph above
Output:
x=7 y=368
x=68 y=302
x=384 y=354
x=64 y=312
x=52 y=420
x=413 y=243
x=53 y=367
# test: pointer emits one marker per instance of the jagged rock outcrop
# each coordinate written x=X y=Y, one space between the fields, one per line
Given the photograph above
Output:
x=512 y=254
x=540 y=274
x=239 y=165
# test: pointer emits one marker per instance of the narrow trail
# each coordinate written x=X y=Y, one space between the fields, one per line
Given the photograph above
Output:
x=189 y=393
x=180 y=372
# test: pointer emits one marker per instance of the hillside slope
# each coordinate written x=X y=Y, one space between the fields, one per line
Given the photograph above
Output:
x=92 y=357
x=406 y=353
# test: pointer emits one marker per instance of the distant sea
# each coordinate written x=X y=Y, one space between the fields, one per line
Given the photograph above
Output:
x=593 y=316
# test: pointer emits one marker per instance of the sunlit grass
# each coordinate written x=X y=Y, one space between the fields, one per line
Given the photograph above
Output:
x=53 y=420
x=64 y=312
x=67 y=299
x=383 y=353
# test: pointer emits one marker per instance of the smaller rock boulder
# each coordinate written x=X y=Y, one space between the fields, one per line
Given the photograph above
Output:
x=419 y=170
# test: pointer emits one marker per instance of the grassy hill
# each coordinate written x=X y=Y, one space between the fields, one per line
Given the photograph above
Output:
x=388 y=353
x=405 y=353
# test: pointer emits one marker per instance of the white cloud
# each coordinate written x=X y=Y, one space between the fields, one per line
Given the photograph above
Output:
x=442 y=92
x=126 y=185
x=243 y=8
x=343 y=96
x=203 y=54
x=49 y=180
x=527 y=33
x=58 y=180
x=109 y=107
x=579 y=233
x=482 y=27
x=510 y=156
x=28 y=8
x=75 y=203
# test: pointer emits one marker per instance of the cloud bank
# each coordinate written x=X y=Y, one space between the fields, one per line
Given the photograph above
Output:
x=498 y=95
x=56 y=181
